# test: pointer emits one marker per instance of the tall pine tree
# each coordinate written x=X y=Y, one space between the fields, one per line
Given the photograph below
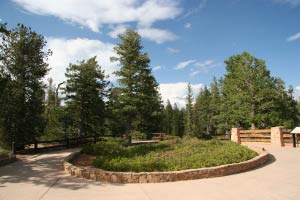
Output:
x=138 y=90
x=215 y=104
x=85 y=90
x=54 y=114
x=252 y=97
x=203 y=112
x=23 y=67
x=178 y=121
x=168 y=118
x=189 y=120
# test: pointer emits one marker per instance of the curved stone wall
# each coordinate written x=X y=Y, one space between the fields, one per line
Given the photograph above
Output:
x=159 y=177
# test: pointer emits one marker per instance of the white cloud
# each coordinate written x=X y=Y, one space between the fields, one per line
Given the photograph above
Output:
x=116 y=30
x=207 y=65
x=184 y=64
x=96 y=13
x=176 y=92
x=294 y=37
x=67 y=51
x=173 y=50
x=195 y=10
x=297 y=92
x=188 y=25
x=157 y=35
x=194 y=73
x=291 y=2
x=156 y=68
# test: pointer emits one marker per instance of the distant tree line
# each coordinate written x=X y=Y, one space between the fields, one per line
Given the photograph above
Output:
x=247 y=96
x=87 y=103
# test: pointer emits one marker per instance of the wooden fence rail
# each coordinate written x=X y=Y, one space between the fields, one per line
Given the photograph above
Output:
x=278 y=136
x=51 y=144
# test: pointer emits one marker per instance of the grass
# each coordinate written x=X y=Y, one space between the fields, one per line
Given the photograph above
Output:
x=168 y=155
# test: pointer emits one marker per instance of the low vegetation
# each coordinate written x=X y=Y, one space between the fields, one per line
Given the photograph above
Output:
x=173 y=155
x=3 y=152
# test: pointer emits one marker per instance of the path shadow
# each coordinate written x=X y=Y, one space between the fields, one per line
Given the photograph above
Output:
x=44 y=169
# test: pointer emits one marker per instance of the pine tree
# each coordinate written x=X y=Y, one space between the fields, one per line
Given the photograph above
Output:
x=115 y=121
x=178 y=121
x=189 y=125
x=23 y=67
x=288 y=106
x=168 y=118
x=203 y=113
x=85 y=90
x=251 y=96
x=215 y=105
x=298 y=106
x=138 y=89
x=54 y=114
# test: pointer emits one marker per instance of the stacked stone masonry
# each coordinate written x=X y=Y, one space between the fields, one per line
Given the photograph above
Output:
x=158 y=177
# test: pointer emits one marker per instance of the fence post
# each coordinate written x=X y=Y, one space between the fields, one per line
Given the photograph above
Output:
x=294 y=140
x=35 y=145
x=95 y=138
x=277 y=136
x=67 y=142
x=235 y=135
x=13 y=148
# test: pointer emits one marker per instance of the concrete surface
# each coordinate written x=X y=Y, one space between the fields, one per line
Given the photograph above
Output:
x=40 y=177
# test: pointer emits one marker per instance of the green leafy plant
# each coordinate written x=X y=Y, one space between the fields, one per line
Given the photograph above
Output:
x=137 y=135
x=188 y=153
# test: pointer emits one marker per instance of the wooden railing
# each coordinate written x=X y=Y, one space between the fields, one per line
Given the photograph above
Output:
x=158 y=136
x=277 y=136
x=263 y=136
x=288 y=138
x=55 y=144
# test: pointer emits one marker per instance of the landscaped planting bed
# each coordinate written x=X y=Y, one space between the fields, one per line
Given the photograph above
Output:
x=173 y=155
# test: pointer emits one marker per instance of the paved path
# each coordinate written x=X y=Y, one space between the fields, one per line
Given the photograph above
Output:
x=40 y=177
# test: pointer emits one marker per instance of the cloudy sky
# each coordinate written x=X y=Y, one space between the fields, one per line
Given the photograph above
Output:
x=187 y=40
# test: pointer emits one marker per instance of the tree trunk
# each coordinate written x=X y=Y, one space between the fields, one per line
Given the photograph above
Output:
x=253 y=125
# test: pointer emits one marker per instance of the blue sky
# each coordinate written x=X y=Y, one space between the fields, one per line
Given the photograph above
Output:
x=187 y=41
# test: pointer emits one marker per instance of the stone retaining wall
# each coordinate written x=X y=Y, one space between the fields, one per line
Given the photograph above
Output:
x=158 y=177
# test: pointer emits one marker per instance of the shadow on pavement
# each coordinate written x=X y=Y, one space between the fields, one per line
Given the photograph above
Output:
x=45 y=169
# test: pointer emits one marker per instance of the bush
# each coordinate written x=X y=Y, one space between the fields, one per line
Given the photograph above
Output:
x=168 y=155
x=137 y=135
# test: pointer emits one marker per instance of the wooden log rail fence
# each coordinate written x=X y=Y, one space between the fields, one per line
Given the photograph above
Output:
x=51 y=144
x=71 y=142
x=276 y=136
x=255 y=136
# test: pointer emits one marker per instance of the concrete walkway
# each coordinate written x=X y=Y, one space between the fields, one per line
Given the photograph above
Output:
x=40 y=177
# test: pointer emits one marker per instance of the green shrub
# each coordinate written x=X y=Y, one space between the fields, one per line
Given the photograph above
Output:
x=167 y=155
x=137 y=135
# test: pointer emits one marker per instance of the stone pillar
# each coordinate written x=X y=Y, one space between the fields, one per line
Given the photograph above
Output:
x=235 y=135
x=277 y=136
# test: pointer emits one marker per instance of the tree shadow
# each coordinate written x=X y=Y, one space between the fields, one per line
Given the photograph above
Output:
x=44 y=169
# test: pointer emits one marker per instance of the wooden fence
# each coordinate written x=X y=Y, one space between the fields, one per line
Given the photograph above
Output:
x=261 y=136
x=278 y=136
x=55 y=144
x=288 y=138
x=72 y=142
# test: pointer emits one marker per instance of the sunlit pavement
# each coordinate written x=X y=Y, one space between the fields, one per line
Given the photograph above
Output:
x=41 y=177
